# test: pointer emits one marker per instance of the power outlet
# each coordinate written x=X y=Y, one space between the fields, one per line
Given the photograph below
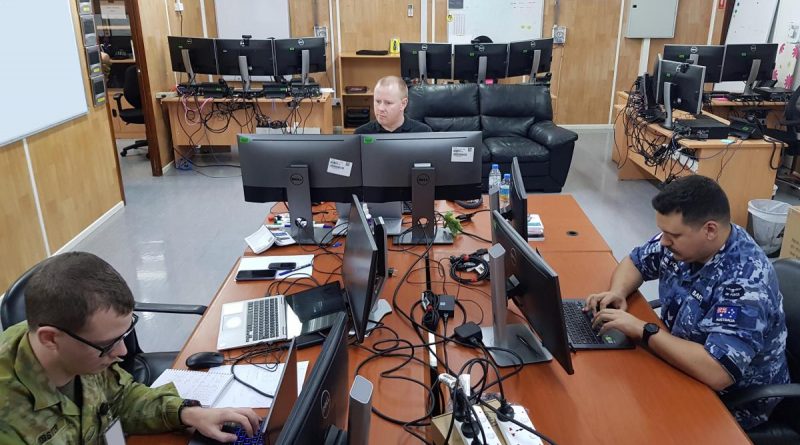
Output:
x=321 y=31
x=410 y=9
x=559 y=34
x=178 y=6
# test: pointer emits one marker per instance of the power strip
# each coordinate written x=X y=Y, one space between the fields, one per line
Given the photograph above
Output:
x=475 y=437
x=514 y=434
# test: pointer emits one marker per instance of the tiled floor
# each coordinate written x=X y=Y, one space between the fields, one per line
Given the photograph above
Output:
x=179 y=235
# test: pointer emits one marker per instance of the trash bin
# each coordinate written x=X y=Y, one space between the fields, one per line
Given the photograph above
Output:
x=766 y=220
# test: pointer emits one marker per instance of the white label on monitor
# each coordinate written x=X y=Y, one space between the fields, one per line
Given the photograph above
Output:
x=462 y=154
x=339 y=167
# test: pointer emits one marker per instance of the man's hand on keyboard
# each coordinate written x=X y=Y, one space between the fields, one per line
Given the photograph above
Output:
x=618 y=319
x=597 y=302
x=209 y=421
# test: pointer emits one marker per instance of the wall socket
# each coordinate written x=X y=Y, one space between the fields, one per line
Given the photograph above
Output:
x=559 y=34
x=321 y=31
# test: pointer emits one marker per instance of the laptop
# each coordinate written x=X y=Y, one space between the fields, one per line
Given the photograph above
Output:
x=249 y=322
x=391 y=212
x=581 y=333
x=282 y=404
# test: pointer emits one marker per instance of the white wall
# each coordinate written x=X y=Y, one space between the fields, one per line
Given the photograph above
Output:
x=788 y=16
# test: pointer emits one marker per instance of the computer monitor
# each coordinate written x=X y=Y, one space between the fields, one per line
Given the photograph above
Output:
x=680 y=85
x=477 y=62
x=517 y=211
x=533 y=286
x=284 y=399
x=300 y=56
x=321 y=408
x=192 y=55
x=709 y=56
x=529 y=57
x=245 y=57
x=362 y=282
x=426 y=60
x=300 y=169
x=422 y=167
x=749 y=63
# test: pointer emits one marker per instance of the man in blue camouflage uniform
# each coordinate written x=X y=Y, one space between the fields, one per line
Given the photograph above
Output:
x=719 y=294
x=60 y=381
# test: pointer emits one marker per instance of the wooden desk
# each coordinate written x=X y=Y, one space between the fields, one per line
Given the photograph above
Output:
x=724 y=108
x=742 y=168
x=188 y=133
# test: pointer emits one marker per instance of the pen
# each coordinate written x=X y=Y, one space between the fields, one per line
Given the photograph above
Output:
x=287 y=272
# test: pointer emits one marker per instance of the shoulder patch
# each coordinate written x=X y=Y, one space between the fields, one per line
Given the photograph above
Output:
x=726 y=314
x=733 y=291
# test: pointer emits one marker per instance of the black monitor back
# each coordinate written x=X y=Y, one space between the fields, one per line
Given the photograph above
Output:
x=438 y=60
x=324 y=398
x=520 y=56
x=519 y=201
x=739 y=58
x=687 y=89
x=359 y=268
x=709 y=56
x=202 y=54
x=259 y=53
x=288 y=54
x=466 y=57
x=388 y=159
x=264 y=159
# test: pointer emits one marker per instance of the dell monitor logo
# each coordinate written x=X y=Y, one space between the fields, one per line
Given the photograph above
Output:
x=325 y=403
x=296 y=179
x=301 y=42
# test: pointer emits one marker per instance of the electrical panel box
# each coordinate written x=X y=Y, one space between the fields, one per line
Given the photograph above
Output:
x=651 y=19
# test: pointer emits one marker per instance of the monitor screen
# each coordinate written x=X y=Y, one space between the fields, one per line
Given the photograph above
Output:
x=466 y=60
x=738 y=60
x=284 y=399
x=260 y=60
x=686 y=85
x=519 y=201
x=289 y=55
x=536 y=290
x=438 y=60
x=202 y=54
x=333 y=161
x=521 y=55
x=456 y=157
x=359 y=268
x=322 y=404
x=709 y=56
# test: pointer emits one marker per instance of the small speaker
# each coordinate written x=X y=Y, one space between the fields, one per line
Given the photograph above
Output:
x=360 y=411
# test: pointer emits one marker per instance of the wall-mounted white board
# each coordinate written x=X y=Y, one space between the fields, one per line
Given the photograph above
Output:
x=501 y=20
x=261 y=19
x=41 y=68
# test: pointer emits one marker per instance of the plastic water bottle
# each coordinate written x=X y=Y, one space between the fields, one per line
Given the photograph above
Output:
x=505 y=190
x=494 y=178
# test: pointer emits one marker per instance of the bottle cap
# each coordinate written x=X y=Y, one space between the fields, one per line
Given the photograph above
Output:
x=495 y=166
x=507 y=176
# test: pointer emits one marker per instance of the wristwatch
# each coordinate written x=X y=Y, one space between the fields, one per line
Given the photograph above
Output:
x=650 y=329
x=187 y=403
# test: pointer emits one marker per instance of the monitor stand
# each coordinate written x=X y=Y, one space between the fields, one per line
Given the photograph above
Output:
x=244 y=71
x=537 y=57
x=516 y=337
x=423 y=66
x=298 y=194
x=423 y=218
x=482 y=61
x=187 y=65
x=751 y=78
x=668 y=124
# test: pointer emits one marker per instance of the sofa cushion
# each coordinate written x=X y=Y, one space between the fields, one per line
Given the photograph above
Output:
x=505 y=148
x=454 y=100
x=464 y=123
x=516 y=100
x=494 y=126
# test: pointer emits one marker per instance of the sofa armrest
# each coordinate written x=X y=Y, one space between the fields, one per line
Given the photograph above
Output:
x=550 y=135
x=739 y=397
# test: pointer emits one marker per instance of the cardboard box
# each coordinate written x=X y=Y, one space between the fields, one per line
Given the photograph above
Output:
x=791 y=234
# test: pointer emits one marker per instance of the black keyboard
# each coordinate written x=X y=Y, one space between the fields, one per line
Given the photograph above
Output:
x=579 y=324
x=262 y=319
x=242 y=439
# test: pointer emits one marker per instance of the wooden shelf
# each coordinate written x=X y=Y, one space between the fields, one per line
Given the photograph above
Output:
x=358 y=56
x=367 y=94
x=348 y=130
x=114 y=27
x=113 y=61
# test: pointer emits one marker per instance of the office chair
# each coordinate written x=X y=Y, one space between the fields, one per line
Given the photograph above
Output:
x=791 y=137
x=130 y=89
x=145 y=367
x=783 y=425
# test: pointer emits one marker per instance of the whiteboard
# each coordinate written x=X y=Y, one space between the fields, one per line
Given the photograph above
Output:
x=261 y=19
x=503 y=21
x=41 y=68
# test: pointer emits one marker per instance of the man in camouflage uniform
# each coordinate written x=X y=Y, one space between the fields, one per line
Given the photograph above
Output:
x=719 y=294
x=60 y=381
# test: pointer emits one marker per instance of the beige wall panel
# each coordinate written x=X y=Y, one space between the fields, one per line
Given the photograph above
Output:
x=301 y=24
x=372 y=24
x=20 y=235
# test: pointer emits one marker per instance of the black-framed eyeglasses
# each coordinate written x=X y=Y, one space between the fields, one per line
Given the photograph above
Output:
x=103 y=349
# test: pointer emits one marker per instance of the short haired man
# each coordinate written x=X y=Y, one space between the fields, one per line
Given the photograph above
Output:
x=59 y=374
x=390 y=99
x=719 y=293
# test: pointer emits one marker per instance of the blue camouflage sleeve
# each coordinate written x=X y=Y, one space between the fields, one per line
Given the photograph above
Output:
x=647 y=258
x=735 y=324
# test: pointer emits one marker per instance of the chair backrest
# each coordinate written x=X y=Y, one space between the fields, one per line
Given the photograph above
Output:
x=445 y=107
x=510 y=110
x=788 y=270
x=130 y=89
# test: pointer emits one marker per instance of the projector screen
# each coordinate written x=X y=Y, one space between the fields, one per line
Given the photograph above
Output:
x=41 y=71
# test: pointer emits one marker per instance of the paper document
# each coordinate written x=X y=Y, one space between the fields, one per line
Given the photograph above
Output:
x=197 y=385
x=263 y=262
x=266 y=380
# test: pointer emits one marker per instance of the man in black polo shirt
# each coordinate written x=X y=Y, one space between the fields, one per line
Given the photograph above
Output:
x=390 y=100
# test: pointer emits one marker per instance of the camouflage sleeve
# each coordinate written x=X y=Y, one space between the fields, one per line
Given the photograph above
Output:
x=647 y=258
x=146 y=410
x=8 y=435
x=735 y=324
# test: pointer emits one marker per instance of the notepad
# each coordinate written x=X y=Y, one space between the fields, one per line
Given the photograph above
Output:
x=204 y=387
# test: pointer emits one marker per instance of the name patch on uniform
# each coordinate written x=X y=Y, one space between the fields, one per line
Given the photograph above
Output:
x=726 y=314
x=44 y=437
x=733 y=292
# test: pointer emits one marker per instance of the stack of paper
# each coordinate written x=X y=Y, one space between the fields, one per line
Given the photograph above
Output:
x=535 y=228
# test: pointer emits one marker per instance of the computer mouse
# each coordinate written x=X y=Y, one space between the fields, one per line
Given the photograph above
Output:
x=204 y=360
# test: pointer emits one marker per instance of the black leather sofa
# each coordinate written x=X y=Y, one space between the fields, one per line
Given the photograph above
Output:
x=516 y=120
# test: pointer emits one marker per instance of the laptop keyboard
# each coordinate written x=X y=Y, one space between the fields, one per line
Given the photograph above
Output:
x=262 y=319
x=242 y=439
x=579 y=324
